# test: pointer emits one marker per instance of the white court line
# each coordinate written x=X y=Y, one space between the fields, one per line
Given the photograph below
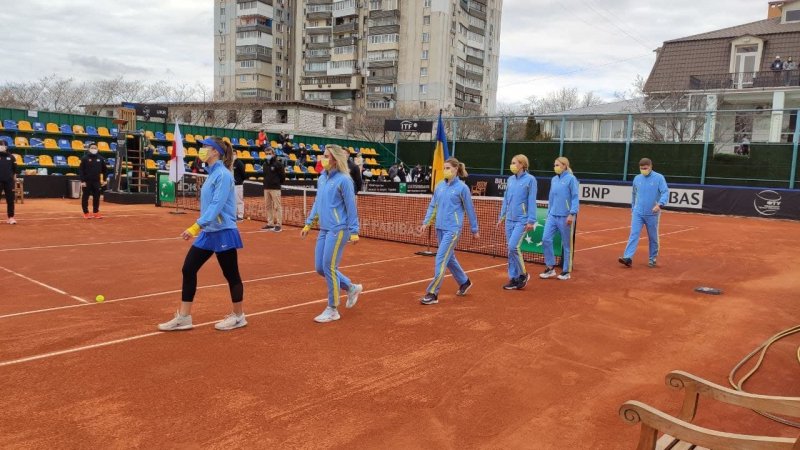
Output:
x=626 y=241
x=24 y=214
x=110 y=216
x=205 y=324
x=47 y=286
x=156 y=294
x=600 y=231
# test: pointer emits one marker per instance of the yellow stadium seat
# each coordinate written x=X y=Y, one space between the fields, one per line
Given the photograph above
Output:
x=103 y=146
x=273 y=144
x=351 y=150
x=77 y=145
x=18 y=158
x=149 y=135
x=24 y=125
x=102 y=131
x=244 y=154
x=315 y=147
x=191 y=151
x=190 y=139
x=262 y=155
x=73 y=161
x=50 y=144
x=170 y=137
x=21 y=142
x=298 y=170
x=249 y=168
x=198 y=138
x=312 y=170
x=151 y=165
x=78 y=129
x=308 y=158
x=292 y=157
x=243 y=142
x=46 y=161
x=226 y=139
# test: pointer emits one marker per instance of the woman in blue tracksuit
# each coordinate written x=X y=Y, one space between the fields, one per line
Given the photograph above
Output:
x=519 y=212
x=650 y=194
x=451 y=199
x=335 y=209
x=563 y=209
x=216 y=233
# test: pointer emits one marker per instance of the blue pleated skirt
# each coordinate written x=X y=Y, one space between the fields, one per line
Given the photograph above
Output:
x=219 y=241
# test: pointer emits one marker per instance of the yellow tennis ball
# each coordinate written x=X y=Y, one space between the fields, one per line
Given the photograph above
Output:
x=100 y=299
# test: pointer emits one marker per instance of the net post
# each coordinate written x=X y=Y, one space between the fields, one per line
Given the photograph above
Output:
x=795 y=144
x=427 y=251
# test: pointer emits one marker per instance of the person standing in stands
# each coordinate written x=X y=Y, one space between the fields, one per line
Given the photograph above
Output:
x=335 y=210
x=650 y=194
x=261 y=140
x=274 y=177
x=451 y=199
x=8 y=178
x=216 y=234
x=92 y=171
x=355 y=174
x=239 y=176
x=519 y=213
x=561 y=214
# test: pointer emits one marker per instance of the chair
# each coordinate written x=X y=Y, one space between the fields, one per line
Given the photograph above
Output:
x=114 y=147
x=103 y=131
x=249 y=168
x=30 y=160
x=149 y=135
x=243 y=142
x=297 y=170
x=50 y=144
x=10 y=125
x=227 y=139
x=21 y=142
x=78 y=130
x=150 y=164
x=292 y=157
x=259 y=155
x=64 y=144
x=18 y=159
x=78 y=145
x=251 y=143
x=191 y=151
x=312 y=170
x=24 y=125
x=66 y=129
x=46 y=161
x=169 y=137
x=161 y=136
x=37 y=143
x=8 y=140
x=162 y=165
x=259 y=168
x=199 y=138
x=190 y=139
x=679 y=433
x=92 y=131
x=60 y=161
x=161 y=150
x=73 y=161
x=273 y=144
x=103 y=147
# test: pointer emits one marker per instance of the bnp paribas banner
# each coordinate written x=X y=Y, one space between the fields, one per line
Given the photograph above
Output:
x=532 y=242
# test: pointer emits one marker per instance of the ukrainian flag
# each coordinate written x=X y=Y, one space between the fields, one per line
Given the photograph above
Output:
x=440 y=154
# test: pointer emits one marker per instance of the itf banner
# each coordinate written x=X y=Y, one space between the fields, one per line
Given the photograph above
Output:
x=532 y=242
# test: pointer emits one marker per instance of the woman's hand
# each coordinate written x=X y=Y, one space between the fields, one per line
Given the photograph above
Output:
x=304 y=232
x=530 y=226
x=570 y=219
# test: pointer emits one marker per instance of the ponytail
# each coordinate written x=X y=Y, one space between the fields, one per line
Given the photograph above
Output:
x=461 y=169
x=227 y=159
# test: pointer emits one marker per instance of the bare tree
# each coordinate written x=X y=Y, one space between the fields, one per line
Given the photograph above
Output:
x=563 y=99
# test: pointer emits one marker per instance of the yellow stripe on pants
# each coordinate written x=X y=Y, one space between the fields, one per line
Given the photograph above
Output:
x=335 y=276
x=445 y=259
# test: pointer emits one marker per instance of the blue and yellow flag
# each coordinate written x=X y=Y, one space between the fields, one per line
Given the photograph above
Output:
x=440 y=154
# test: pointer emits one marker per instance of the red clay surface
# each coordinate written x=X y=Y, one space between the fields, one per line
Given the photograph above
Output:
x=544 y=368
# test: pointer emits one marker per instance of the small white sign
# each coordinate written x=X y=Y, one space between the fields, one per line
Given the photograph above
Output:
x=33 y=113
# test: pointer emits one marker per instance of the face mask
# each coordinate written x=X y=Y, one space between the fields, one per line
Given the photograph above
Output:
x=558 y=170
x=326 y=162
x=93 y=151
x=513 y=168
x=645 y=172
x=448 y=174
x=2 y=149
x=203 y=154
x=269 y=157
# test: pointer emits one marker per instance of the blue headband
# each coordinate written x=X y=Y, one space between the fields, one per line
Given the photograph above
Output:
x=212 y=143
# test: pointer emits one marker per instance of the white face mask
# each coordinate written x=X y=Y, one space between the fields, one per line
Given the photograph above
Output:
x=93 y=151
x=2 y=149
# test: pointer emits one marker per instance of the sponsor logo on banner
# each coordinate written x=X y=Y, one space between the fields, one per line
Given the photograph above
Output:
x=767 y=203
x=607 y=193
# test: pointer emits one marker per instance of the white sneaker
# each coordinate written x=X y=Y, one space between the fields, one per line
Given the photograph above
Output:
x=564 y=276
x=12 y=221
x=179 y=322
x=329 y=315
x=352 y=295
x=230 y=322
x=549 y=272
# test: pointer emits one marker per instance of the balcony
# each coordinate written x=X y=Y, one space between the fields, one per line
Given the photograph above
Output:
x=317 y=45
x=262 y=54
x=319 y=15
x=253 y=23
x=380 y=14
x=328 y=83
x=266 y=2
x=318 y=30
x=474 y=60
x=471 y=75
x=382 y=79
x=744 y=80
x=384 y=29
x=263 y=8
x=345 y=8
x=264 y=41
x=349 y=27
x=344 y=42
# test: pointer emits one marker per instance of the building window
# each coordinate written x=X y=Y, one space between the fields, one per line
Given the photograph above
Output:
x=612 y=130
x=279 y=83
x=374 y=5
x=423 y=71
x=278 y=70
x=426 y=37
x=427 y=3
x=423 y=88
x=256 y=116
x=324 y=121
x=242 y=78
x=339 y=122
x=277 y=96
x=209 y=114
x=426 y=20
x=793 y=16
x=222 y=11
x=282 y=115
x=247 y=64
x=231 y=116
x=424 y=54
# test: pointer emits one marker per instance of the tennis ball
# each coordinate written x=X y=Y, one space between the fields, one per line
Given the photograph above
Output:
x=100 y=299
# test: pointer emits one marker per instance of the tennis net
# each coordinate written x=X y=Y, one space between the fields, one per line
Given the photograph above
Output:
x=385 y=216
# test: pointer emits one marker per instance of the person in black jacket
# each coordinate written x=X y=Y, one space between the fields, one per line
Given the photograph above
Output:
x=355 y=174
x=238 y=178
x=8 y=177
x=93 y=173
x=274 y=177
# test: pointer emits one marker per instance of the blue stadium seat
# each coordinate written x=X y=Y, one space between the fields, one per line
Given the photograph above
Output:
x=162 y=165
x=251 y=142
x=254 y=154
x=60 y=161
x=303 y=168
x=114 y=131
x=38 y=126
x=114 y=147
x=37 y=143
x=8 y=140
x=111 y=161
x=161 y=150
x=10 y=124
x=66 y=129
x=31 y=160
x=258 y=168
x=161 y=136
x=92 y=131
x=64 y=144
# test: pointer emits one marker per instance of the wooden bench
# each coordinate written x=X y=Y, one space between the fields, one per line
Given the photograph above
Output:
x=678 y=433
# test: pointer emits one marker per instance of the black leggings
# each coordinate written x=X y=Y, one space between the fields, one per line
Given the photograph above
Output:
x=92 y=189
x=229 y=263
x=8 y=188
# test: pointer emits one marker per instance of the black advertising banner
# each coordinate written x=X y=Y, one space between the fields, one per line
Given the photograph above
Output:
x=753 y=202
x=408 y=126
x=148 y=110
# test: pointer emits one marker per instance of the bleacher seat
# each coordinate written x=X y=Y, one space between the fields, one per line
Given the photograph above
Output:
x=114 y=147
x=161 y=150
x=150 y=164
x=259 y=155
x=9 y=124
x=259 y=168
x=50 y=144
x=60 y=161
x=273 y=144
x=18 y=159
x=73 y=161
x=298 y=170
x=52 y=128
x=312 y=170
x=103 y=131
x=162 y=165
x=31 y=160
x=8 y=140
x=169 y=137
x=103 y=146
x=38 y=126
x=199 y=138
x=243 y=142
x=160 y=136
x=65 y=129
x=191 y=151
x=251 y=143
x=92 y=131
x=114 y=131
x=149 y=135
x=190 y=139
x=20 y=141
x=46 y=161
x=111 y=161
x=293 y=157
x=78 y=145
x=78 y=130
x=37 y=143
x=249 y=168
x=64 y=144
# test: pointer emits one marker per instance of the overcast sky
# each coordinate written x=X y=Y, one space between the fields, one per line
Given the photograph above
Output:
x=597 y=45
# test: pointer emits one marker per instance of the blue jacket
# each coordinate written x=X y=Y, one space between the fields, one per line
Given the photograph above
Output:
x=335 y=204
x=519 y=201
x=217 y=200
x=448 y=204
x=563 y=195
x=649 y=191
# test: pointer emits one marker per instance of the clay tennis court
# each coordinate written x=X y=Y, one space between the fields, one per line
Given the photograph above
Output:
x=547 y=367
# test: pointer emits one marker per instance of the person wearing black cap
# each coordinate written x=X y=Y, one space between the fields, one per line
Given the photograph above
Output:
x=8 y=177
x=92 y=171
